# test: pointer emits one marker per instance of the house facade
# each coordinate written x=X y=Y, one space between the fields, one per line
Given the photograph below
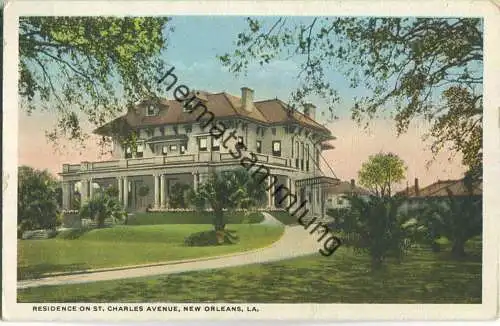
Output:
x=184 y=141
x=335 y=195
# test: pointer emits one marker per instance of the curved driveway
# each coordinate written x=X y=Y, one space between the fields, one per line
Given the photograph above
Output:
x=295 y=242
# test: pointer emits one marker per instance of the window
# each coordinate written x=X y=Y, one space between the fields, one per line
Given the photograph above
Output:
x=183 y=149
x=273 y=131
x=128 y=152
x=297 y=152
x=340 y=201
x=140 y=150
x=151 y=110
x=173 y=148
x=240 y=140
x=202 y=144
x=307 y=165
x=215 y=144
x=276 y=148
x=164 y=149
x=259 y=146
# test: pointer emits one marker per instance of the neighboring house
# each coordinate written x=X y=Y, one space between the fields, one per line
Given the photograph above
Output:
x=174 y=145
x=335 y=195
x=438 y=192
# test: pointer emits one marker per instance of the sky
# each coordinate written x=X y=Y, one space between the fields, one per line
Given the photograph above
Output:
x=192 y=49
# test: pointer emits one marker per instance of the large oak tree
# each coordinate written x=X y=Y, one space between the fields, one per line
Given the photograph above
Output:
x=86 y=70
x=428 y=68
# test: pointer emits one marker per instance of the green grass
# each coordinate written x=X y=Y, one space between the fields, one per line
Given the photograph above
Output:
x=192 y=218
x=423 y=277
x=284 y=217
x=130 y=245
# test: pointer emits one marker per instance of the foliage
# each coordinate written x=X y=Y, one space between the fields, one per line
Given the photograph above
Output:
x=37 y=199
x=380 y=172
x=375 y=225
x=228 y=190
x=458 y=218
x=101 y=207
x=403 y=64
x=178 y=195
x=112 y=191
x=88 y=67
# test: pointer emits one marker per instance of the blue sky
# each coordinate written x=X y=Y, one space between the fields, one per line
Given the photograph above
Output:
x=196 y=42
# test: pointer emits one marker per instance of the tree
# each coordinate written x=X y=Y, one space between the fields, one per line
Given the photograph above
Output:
x=88 y=67
x=100 y=207
x=37 y=200
x=380 y=172
x=427 y=68
x=178 y=194
x=458 y=218
x=228 y=190
x=375 y=225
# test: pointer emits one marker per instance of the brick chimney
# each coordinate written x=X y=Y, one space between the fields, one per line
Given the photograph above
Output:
x=417 y=189
x=310 y=110
x=247 y=99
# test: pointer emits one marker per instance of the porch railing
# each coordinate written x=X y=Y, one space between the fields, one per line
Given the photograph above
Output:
x=201 y=157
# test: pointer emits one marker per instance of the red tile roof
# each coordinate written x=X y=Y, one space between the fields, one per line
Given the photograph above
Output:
x=439 y=189
x=222 y=105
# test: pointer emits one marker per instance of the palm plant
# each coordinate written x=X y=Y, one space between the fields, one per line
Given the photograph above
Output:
x=377 y=226
x=100 y=207
x=228 y=190
x=458 y=218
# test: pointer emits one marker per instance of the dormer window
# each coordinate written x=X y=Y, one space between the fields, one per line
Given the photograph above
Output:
x=151 y=110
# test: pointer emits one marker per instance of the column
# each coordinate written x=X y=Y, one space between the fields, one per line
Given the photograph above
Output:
x=84 y=191
x=195 y=181
x=270 y=188
x=125 y=190
x=291 y=187
x=66 y=193
x=91 y=188
x=120 y=189
x=157 y=191
x=167 y=192
x=162 y=191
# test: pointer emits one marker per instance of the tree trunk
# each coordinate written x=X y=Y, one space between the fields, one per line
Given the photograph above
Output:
x=458 y=248
x=219 y=224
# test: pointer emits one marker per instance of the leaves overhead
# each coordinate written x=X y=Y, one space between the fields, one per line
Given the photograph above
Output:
x=407 y=67
x=87 y=69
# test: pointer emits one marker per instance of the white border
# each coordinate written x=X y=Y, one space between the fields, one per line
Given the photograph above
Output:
x=486 y=310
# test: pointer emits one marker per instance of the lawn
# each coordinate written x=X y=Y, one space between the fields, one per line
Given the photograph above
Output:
x=345 y=277
x=130 y=245
x=192 y=218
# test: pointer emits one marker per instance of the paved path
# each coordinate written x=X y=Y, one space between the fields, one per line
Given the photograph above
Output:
x=295 y=242
x=270 y=220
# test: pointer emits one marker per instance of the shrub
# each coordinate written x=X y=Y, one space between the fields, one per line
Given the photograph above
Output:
x=101 y=207
x=209 y=238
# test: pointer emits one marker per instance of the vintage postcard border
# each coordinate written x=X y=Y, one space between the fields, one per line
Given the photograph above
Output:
x=486 y=310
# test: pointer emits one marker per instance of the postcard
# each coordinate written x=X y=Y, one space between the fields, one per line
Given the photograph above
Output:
x=216 y=160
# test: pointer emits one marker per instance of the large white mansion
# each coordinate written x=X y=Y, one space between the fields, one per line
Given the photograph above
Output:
x=174 y=145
